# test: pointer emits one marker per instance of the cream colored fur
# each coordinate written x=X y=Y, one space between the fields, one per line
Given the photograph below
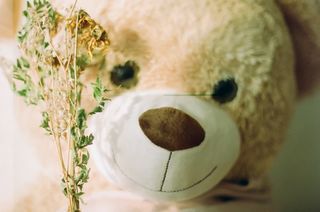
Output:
x=189 y=46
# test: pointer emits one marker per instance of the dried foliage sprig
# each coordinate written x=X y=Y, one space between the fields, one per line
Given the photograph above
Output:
x=49 y=74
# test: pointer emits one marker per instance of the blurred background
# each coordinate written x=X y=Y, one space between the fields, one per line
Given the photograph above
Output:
x=296 y=171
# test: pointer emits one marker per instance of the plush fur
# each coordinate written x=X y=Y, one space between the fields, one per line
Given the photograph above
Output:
x=189 y=46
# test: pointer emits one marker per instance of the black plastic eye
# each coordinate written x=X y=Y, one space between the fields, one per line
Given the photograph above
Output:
x=225 y=90
x=122 y=74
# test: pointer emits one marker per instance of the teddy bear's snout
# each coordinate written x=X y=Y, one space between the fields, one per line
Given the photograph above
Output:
x=164 y=145
x=171 y=129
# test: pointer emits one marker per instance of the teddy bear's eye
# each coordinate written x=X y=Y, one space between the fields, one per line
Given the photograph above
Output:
x=225 y=90
x=125 y=74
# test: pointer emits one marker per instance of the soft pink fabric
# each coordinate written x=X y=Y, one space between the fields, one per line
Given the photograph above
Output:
x=251 y=197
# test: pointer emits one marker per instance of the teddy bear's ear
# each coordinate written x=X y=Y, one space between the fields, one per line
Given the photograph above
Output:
x=303 y=20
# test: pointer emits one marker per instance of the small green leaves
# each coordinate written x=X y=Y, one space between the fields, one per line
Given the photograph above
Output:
x=82 y=61
x=81 y=119
x=52 y=15
x=98 y=109
x=84 y=141
x=84 y=157
x=45 y=122
x=83 y=176
x=99 y=90
x=24 y=62
x=22 y=36
x=25 y=13
x=77 y=131
x=24 y=85
x=64 y=187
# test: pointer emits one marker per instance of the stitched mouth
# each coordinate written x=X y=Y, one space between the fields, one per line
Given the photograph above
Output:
x=192 y=185
x=161 y=190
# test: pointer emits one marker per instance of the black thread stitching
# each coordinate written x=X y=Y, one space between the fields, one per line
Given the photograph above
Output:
x=196 y=183
x=165 y=172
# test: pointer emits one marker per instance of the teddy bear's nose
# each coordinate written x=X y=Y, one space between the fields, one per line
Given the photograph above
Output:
x=171 y=129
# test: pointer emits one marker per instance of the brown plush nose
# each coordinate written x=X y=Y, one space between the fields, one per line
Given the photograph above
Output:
x=171 y=128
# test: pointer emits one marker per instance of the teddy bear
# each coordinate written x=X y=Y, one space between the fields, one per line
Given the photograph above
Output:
x=201 y=96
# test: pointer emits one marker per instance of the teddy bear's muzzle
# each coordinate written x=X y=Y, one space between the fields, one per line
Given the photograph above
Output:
x=164 y=146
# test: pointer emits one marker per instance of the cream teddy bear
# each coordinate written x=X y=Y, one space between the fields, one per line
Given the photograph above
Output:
x=202 y=93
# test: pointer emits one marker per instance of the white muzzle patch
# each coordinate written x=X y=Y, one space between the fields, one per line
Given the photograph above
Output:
x=129 y=159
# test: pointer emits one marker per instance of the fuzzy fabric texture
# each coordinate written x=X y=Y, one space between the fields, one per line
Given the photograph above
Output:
x=271 y=48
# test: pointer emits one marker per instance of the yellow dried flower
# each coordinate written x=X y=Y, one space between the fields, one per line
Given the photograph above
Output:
x=92 y=38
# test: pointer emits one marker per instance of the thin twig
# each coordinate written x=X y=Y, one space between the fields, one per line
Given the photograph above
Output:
x=73 y=6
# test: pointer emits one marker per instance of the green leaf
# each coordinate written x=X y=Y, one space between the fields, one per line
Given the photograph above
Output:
x=73 y=133
x=46 y=44
x=41 y=82
x=79 y=92
x=98 y=109
x=85 y=141
x=83 y=176
x=25 y=13
x=24 y=62
x=52 y=16
x=18 y=64
x=82 y=61
x=79 y=194
x=81 y=118
x=45 y=122
x=22 y=35
x=64 y=187
x=20 y=77
x=23 y=92
x=85 y=157
x=98 y=90
x=98 y=94
x=72 y=72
